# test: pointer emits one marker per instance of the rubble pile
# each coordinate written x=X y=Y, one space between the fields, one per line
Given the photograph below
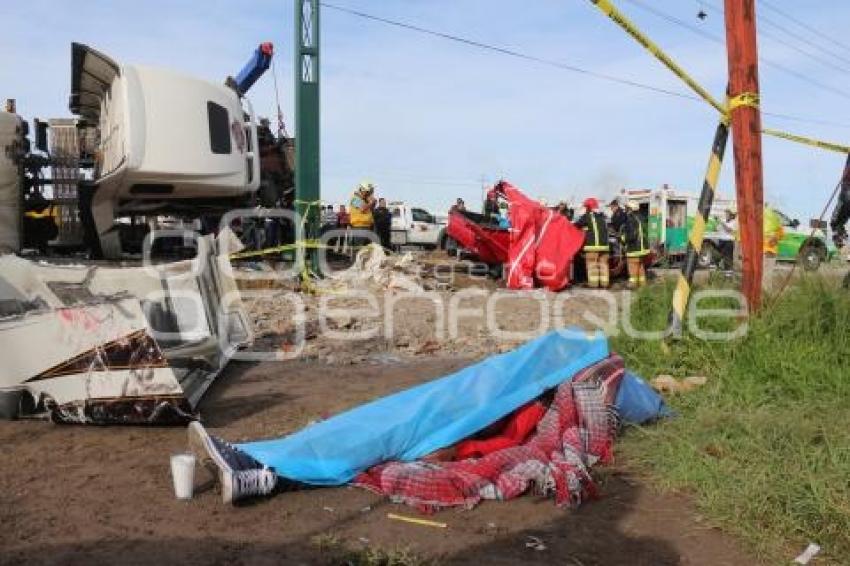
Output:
x=385 y=307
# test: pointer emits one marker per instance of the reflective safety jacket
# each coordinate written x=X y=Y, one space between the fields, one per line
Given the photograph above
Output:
x=635 y=237
x=595 y=231
x=773 y=231
x=360 y=218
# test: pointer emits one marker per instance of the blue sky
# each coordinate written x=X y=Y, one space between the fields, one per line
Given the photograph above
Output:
x=427 y=119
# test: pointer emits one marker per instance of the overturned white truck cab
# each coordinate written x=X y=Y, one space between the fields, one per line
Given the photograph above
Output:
x=164 y=143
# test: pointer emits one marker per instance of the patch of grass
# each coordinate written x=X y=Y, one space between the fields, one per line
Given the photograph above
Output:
x=765 y=446
x=334 y=550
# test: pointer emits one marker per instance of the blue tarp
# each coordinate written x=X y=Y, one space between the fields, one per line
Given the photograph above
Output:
x=410 y=424
x=637 y=402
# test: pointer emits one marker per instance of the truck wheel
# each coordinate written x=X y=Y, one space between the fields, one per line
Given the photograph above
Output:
x=811 y=256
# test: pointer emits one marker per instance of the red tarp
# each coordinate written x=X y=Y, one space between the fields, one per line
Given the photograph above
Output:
x=537 y=250
x=576 y=431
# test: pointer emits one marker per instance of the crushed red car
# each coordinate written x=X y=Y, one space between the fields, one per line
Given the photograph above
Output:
x=538 y=248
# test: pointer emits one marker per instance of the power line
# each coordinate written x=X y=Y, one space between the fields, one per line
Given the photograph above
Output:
x=674 y=20
x=510 y=52
x=798 y=37
x=803 y=25
x=552 y=63
x=782 y=41
x=719 y=40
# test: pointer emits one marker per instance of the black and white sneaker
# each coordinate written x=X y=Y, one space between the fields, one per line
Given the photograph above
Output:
x=240 y=475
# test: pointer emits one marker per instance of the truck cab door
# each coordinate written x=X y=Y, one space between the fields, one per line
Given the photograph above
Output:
x=398 y=225
x=424 y=229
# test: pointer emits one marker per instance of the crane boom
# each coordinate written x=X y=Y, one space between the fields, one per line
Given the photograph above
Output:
x=255 y=67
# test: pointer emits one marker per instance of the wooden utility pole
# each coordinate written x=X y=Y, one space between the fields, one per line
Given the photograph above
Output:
x=745 y=117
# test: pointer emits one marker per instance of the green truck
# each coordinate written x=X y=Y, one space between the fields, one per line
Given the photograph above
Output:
x=670 y=217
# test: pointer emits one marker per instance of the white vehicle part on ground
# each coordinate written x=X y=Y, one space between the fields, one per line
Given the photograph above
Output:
x=119 y=344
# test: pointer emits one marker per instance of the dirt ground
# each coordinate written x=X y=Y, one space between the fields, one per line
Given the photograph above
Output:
x=88 y=495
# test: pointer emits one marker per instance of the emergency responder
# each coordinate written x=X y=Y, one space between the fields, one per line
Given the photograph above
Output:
x=40 y=222
x=773 y=232
x=566 y=210
x=618 y=216
x=383 y=222
x=636 y=243
x=360 y=209
x=596 y=250
x=491 y=207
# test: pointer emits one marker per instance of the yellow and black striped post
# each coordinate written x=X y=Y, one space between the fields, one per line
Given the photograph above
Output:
x=695 y=238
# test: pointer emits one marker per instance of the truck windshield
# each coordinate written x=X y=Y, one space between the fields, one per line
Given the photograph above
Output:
x=420 y=215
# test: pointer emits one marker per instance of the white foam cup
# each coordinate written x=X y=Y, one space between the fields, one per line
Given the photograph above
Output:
x=183 y=474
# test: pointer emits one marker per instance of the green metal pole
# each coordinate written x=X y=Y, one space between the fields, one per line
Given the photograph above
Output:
x=307 y=181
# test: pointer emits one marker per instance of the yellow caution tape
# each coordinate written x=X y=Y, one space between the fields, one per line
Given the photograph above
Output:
x=808 y=141
x=745 y=99
x=312 y=244
x=621 y=20
x=416 y=521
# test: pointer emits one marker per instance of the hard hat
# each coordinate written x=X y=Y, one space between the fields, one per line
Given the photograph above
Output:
x=590 y=203
x=633 y=205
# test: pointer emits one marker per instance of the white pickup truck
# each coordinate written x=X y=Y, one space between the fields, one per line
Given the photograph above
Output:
x=413 y=226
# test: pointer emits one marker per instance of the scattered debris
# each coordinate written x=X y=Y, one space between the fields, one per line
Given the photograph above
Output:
x=416 y=521
x=127 y=344
x=374 y=268
x=669 y=384
x=534 y=543
x=808 y=555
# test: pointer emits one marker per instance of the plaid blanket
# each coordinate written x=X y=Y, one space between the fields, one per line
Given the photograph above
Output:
x=576 y=431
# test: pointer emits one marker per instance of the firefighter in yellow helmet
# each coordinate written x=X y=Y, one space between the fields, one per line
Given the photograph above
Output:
x=361 y=205
x=636 y=244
